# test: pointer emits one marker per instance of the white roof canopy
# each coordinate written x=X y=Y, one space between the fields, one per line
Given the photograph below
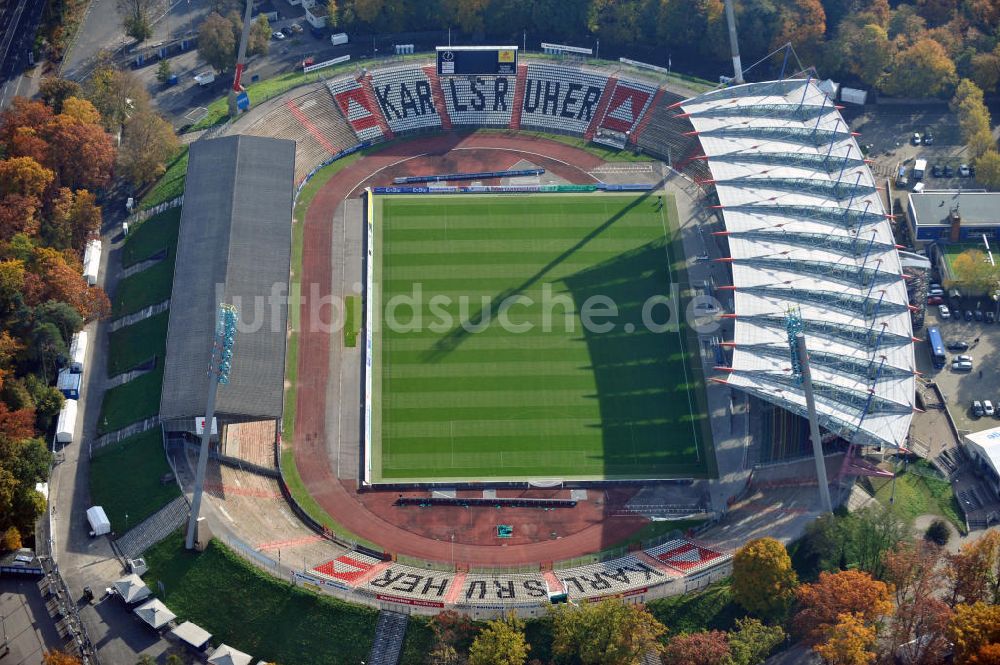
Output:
x=131 y=588
x=155 y=613
x=807 y=235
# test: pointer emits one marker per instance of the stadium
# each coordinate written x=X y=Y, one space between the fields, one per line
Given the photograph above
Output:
x=441 y=441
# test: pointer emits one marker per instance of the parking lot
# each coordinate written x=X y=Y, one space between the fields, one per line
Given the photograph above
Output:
x=961 y=388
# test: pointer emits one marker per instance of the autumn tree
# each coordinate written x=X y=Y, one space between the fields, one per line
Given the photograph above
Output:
x=81 y=154
x=467 y=14
x=136 y=18
x=54 y=91
x=972 y=270
x=973 y=117
x=332 y=13
x=974 y=571
x=216 y=42
x=59 y=658
x=849 y=641
x=11 y=539
x=986 y=69
x=608 y=632
x=148 y=142
x=763 y=578
x=921 y=70
x=988 y=170
x=848 y=592
x=915 y=570
x=751 y=642
x=988 y=654
x=971 y=628
x=501 y=642
x=115 y=93
x=453 y=634
x=864 y=50
x=681 y=24
x=72 y=218
x=704 y=648
x=803 y=24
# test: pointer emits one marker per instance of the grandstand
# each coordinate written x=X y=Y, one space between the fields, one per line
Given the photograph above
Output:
x=807 y=235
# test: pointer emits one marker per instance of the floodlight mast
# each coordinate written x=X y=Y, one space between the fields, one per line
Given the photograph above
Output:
x=817 y=443
x=218 y=372
x=241 y=61
x=734 y=45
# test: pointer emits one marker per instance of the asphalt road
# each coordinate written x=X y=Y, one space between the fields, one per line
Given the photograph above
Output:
x=18 y=24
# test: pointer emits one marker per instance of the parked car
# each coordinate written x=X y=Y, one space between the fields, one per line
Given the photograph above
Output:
x=965 y=358
x=968 y=315
x=961 y=366
x=934 y=300
x=936 y=171
x=944 y=312
x=958 y=345
x=977 y=409
x=963 y=171
x=928 y=138
x=295 y=27
x=948 y=171
x=935 y=291
x=915 y=139
x=991 y=316
x=278 y=34
x=988 y=408
x=978 y=315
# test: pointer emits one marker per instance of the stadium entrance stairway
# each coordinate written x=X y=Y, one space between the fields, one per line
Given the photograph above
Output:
x=389 y=633
x=153 y=529
x=438 y=94
x=602 y=108
x=522 y=80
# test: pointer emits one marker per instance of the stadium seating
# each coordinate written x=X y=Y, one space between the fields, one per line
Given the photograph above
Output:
x=486 y=101
x=348 y=567
x=623 y=575
x=664 y=137
x=252 y=441
x=506 y=589
x=627 y=104
x=428 y=587
x=561 y=99
x=406 y=99
x=363 y=116
x=686 y=557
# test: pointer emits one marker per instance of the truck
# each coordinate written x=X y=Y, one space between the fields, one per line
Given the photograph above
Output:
x=99 y=524
x=78 y=352
x=67 y=422
x=92 y=261
x=338 y=38
x=205 y=78
x=919 y=167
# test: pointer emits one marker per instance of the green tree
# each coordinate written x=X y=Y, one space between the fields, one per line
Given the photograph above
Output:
x=986 y=69
x=973 y=117
x=148 y=142
x=54 y=91
x=921 y=70
x=752 y=641
x=259 y=42
x=467 y=14
x=606 y=633
x=501 y=642
x=62 y=315
x=136 y=18
x=874 y=531
x=332 y=14
x=763 y=578
x=216 y=43
x=164 y=71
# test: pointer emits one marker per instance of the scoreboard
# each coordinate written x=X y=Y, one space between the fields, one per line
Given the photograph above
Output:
x=477 y=60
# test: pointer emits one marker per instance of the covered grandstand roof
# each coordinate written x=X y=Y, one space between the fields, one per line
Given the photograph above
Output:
x=234 y=246
x=807 y=234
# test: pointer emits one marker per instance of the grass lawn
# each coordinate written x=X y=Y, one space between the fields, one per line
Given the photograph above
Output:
x=125 y=479
x=134 y=344
x=156 y=234
x=916 y=494
x=463 y=397
x=130 y=402
x=352 y=320
x=262 y=615
x=710 y=609
x=149 y=287
x=171 y=184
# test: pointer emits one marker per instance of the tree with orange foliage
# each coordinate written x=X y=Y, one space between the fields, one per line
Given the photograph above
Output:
x=803 y=23
x=973 y=627
x=24 y=176
x=73 y=217
x=23 y=113
x=848 y=592
x=11 y=539
x=922 y=70
x=704 y=648
x=974 y=571
x=915 y=569
x=52 y=277
x=81 y=110
x=847 y=642
x=81 y=154
x=988 y=654
x=59 y=658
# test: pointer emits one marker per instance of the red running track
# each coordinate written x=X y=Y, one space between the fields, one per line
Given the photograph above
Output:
x=465 y=535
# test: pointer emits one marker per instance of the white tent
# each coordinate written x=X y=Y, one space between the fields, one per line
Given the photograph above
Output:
x=132 y=589
x=192 y=634
x=226 y=655
x=155 y=613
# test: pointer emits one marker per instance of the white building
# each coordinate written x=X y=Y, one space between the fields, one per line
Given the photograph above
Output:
x=985 y=449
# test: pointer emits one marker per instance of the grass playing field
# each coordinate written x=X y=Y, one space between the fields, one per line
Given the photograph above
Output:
x=493 y=375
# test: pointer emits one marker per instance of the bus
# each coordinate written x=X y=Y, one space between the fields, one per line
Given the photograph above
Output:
x=936 y=346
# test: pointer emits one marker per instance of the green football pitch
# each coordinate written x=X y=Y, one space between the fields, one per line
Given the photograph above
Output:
x=483 y=367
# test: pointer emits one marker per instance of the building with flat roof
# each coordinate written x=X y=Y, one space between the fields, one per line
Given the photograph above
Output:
x=985 y=449
x=953 y=215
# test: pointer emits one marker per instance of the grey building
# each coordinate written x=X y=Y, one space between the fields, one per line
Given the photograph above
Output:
x=234 y=247
x=953 y=215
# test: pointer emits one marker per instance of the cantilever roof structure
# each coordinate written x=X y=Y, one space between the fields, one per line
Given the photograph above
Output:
x=807 y=234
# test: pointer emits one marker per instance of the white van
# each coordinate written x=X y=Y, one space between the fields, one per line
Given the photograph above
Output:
x=919 y=167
